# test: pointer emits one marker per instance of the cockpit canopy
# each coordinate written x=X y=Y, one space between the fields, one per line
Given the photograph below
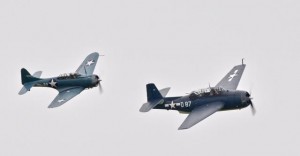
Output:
x=207 y=92
x=69 y=76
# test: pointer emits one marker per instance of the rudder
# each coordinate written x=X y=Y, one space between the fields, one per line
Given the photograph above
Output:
x=152 y=92
x=27 y=77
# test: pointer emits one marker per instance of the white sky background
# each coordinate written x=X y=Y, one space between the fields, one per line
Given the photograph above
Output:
x=180 y=44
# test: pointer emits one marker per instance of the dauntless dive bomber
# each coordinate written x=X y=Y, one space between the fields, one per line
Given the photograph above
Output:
x=204 y=102
x=68 y=85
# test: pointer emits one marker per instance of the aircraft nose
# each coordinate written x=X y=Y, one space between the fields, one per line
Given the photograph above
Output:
x=247 y=99
x=247 y=94
x=97 y=80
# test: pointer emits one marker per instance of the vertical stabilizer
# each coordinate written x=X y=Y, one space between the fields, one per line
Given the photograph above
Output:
x=27 y=77
x=153 y=93
x=154 y=98
x=28 y=80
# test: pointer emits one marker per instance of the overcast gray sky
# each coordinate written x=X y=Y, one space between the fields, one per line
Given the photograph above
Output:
x=174 y=43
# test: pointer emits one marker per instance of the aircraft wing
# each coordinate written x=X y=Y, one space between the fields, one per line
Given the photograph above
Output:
x=200 y=113
x=88 y=65
x=232 y=79
x=65 y=95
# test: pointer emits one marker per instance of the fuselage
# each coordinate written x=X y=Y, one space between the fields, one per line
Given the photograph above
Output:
x=68 y=81
x=231 y=100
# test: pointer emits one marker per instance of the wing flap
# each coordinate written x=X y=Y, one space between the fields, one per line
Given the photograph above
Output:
x=64 y=96
x=200 y=113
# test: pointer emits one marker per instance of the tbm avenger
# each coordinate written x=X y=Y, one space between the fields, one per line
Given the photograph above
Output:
x=204 y=102
x=68 y=85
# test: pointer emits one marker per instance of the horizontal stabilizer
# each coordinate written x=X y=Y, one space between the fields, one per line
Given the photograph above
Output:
x=37 y=74
x=22 y=91
x=146 y=107
x=164 y=91
x=26 y=87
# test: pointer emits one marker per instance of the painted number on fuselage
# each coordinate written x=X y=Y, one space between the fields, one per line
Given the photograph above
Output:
x=185 y=104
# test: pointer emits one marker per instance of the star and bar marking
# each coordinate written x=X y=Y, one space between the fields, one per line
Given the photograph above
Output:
x=52 y=83
x=60 y=101
x=89 y=63
x=233 y=75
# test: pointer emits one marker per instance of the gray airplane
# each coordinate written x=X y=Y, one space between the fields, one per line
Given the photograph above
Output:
x=204 y=102
x=68 y=85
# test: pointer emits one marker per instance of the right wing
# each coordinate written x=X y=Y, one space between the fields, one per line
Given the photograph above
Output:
x=65 y=95
x=200 y=113
x=232 y=79
x=88 y=65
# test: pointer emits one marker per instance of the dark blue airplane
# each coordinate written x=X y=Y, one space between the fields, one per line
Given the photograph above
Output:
x=68 y=85
x=204 y=102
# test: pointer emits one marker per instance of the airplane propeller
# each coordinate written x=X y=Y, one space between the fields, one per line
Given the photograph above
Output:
x=253 y=110
x=100 y=87
x=99 y=84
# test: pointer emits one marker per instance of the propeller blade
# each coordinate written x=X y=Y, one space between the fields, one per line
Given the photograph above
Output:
x=100 y=88
x=253 y=109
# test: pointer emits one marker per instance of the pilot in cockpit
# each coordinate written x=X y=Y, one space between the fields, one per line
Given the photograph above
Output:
x=213 y=91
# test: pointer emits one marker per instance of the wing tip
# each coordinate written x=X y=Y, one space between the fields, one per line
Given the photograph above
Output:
x=94 y=53
x=54 y=105
x=182 y=128
x=50 y=106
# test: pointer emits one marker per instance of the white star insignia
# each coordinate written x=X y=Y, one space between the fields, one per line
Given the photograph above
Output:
x=172 y=105
x=52 y=83
x=60 y=101
x=90 y=62
x=232 y=75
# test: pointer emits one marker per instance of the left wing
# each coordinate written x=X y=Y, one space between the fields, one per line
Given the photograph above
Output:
x=88 y=65
x=64 y=96
x=200 y=113
x=232 y=79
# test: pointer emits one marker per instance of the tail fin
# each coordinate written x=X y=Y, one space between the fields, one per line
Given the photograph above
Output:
x=28 y=80
x=27 y=77
x=153 y=93
x=154 y=98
